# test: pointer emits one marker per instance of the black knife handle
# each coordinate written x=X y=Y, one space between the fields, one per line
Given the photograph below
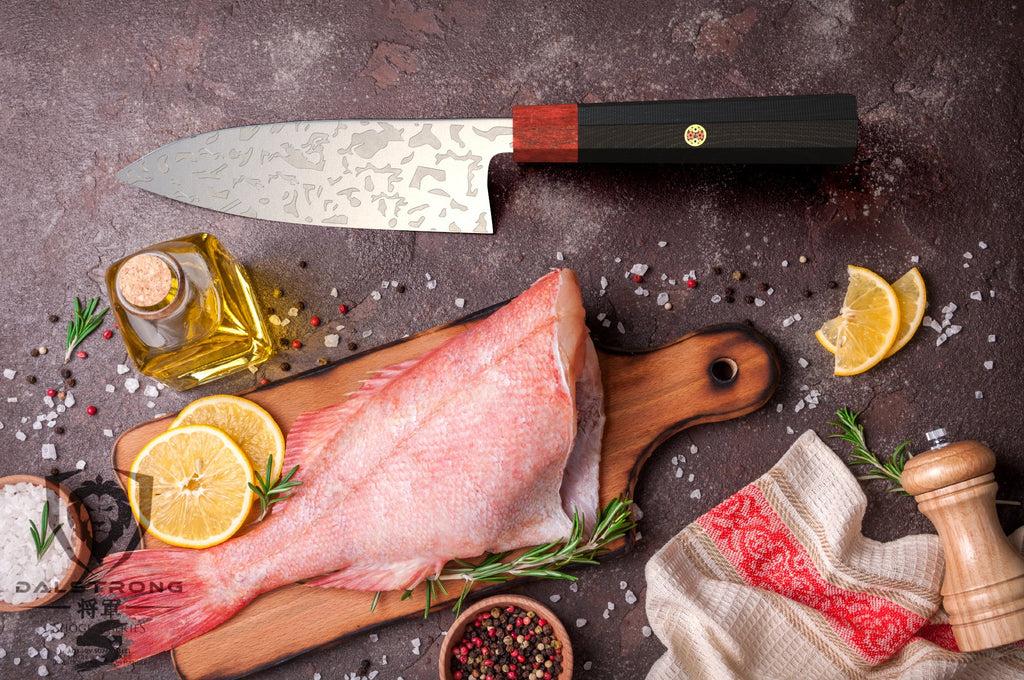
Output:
x=792 y=129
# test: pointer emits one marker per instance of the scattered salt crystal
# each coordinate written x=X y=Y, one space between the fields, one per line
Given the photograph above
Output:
x=375 y=294
x=623 y=585
x=662 y=244
x=150 y=404
x=716 y=298
x=460 y=302
x=16 y=661
x=797 y=317
x=601 y=316
x=785 y=263
x=679 y=473
x=49 y=452
x=605 y=614
x=432 y=284
x=122 y=369
x=43 y=653
x=80 y=465
x=675 y=460
x=110 y=388
x=606 y=323
x=69 y=400
x=662 y=298
x=979 y=395
x=640 y=269
x=799 y=406
x=992 y=293
x=331 y=340
x=555 y=598
x=37 y=425
x=966 y=266
x=982 y=245
x=61 y=408
x=758 y=302
x=604 y=283
x=968 y=256
x=367 y=334
x=385 y=284
x=334 y=292
x=690 y=478
x=630 y=597
x=622 y=329
x=988 y=365
x=914 y=259
x=416 y=646
x=803 y=362
x=695 y=494
x=941 y=339
x=693 y=448
x=788 y=321
x=20 y=436
x=131 y=384
x=108 y=433
x=294 y=311
x=976 y=295
x=12 y=400
x=778 y=409
x=32 y=652
x=646 y=631
x=48 y=400
x=9 y=374
x=640 y=290
x=588 y=665
x=150 y=391
x=580 y=623
x=574 y=587
x=559 y=256
x=934 y=325
x=373 y=637
x=671 y=282
x=789 y=430
x=316 y=676
x=42 y=672
x=953 y=330
x=770 y=291
x=618 y=260
x=991 y=338
x=274 y=320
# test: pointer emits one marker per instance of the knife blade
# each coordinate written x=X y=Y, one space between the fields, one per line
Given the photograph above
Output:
x=431 y=175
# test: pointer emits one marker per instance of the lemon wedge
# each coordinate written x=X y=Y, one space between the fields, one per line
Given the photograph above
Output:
x=912 y=297
x=247 y=423
x=189 y=487
x=867 y=326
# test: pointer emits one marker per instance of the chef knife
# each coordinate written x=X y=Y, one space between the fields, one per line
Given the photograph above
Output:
x=431 y=175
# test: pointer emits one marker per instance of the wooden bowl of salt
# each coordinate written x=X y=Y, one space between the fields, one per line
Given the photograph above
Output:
x=45 y=579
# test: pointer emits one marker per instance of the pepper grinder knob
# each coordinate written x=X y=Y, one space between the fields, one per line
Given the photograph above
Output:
x=983 y=590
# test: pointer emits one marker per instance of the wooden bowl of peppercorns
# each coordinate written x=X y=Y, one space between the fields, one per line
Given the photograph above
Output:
x=506 y=637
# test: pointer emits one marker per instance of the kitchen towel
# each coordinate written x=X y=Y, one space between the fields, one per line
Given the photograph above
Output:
x=778 y=582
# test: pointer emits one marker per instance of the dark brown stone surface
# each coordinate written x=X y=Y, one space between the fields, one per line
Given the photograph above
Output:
x=87 y=87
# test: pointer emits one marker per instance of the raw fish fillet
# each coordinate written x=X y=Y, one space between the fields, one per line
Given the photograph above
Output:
x=484 y=444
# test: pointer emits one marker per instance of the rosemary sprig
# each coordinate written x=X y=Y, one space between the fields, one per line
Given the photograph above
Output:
x=543 y=561
x=886 y=470
x=269 y=492
x=40 y=536
x=85 y=321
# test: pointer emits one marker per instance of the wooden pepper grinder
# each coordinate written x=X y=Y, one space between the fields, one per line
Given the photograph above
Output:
x=983 y=590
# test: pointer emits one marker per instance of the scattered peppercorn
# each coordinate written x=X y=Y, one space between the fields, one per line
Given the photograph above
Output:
x=58 y=430
x=54 y=318
x=65 y=372
x=51 y=392
x=264 y=381
x=807 y=293
x=716 y=270
x=285 y=366
x=322 y=361
x=108 y=334
x=69 y=383
x=637 y=278
x=507 y=643
x=400 y=288
x=81 y=354
x=285 y=342
x=297 y=344
x=61 y=395
x=277 y=292
x=314 y=321
x=364 y=668
x=802 y=259
x=691 y=283
x=763 y=287
x=728 y=291
x=343 y=309
x=31 y=380
x=91 y=410
x=300 y=305
x=34 y=352
x=737 y=275
x=352 y=346
x=729 y=299
x=749 y=299
x=302 y=264
x=42 y=350
x=833 y=284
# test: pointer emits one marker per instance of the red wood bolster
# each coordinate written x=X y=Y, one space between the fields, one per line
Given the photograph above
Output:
x=545 y=134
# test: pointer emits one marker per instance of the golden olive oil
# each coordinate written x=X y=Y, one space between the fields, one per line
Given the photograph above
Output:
x=187 y=312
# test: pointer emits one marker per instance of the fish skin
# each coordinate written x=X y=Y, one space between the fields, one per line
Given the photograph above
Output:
x=459 y=452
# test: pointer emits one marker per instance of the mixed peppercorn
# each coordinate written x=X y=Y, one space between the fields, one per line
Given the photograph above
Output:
x=508 y=643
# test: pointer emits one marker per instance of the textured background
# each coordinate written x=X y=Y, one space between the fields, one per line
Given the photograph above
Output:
x=86 y=87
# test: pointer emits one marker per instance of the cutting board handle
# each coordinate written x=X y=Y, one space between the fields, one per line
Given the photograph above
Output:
x=713 y=374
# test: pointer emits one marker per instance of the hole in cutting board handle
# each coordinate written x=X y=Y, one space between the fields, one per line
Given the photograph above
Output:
x=723 y=370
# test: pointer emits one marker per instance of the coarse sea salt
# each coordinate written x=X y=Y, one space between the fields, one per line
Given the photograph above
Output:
x=20 y=504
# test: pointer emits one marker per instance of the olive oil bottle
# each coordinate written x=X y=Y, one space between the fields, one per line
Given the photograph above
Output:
x=187 y=312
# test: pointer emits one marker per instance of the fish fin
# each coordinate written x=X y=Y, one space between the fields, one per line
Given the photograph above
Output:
x=311 y=431
x=394 y=576
x=176 y=599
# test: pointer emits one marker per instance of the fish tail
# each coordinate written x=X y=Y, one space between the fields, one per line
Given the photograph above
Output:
x=172 y=594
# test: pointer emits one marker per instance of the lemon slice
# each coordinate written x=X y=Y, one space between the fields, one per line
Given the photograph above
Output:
x=910 y=292
x=867 y=325
x=247 y=423
x=189 y=487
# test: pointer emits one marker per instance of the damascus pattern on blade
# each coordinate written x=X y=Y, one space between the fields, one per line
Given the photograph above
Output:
x=419 y=175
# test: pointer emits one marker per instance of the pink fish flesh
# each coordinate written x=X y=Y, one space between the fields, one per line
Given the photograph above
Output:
x=484 y=444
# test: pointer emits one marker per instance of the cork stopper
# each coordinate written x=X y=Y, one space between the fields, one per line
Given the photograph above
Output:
x=145 y=281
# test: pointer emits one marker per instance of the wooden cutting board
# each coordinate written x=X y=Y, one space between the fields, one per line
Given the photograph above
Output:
x=713 y=374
